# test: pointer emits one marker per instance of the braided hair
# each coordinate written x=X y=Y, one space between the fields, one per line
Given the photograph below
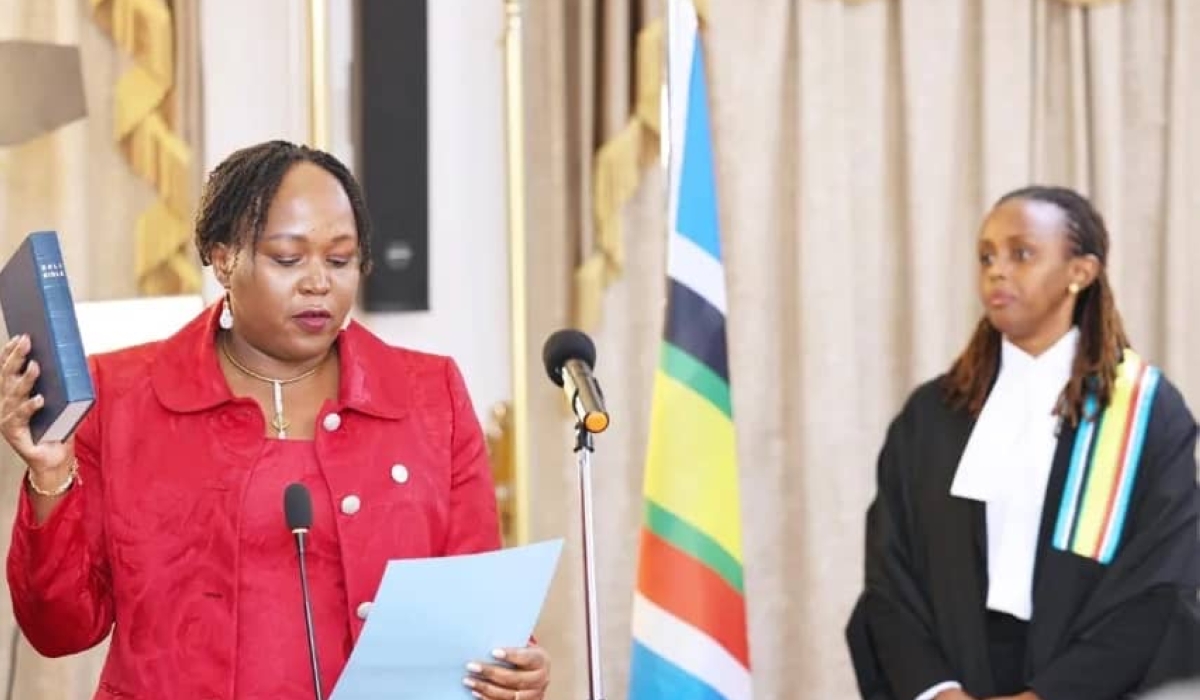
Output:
x=239 y=191
x=1102 y=338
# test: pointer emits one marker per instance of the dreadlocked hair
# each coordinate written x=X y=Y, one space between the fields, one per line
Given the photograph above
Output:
x=239 y=191
x=1102 y=339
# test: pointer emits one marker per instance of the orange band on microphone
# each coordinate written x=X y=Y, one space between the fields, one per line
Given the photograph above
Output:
x=595 y=422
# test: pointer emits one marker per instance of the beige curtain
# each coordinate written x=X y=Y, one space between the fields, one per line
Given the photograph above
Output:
x=858 y=146
x=591 y=115
x=581 y=90
x=626 y=66
x=77 y=181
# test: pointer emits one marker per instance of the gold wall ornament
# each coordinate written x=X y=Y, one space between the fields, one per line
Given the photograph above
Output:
x=499 y=436
x=143 y=118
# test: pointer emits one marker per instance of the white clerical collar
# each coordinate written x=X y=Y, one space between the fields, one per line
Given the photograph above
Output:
x=1026 y=387
x=1052 y=365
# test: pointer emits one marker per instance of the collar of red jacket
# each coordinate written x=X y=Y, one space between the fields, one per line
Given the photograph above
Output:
x=187 y=377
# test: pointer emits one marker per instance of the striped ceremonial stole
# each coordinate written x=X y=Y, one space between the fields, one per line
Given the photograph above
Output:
x=1104 y=465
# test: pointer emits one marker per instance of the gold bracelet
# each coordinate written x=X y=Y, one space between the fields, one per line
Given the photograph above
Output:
x=72 y=475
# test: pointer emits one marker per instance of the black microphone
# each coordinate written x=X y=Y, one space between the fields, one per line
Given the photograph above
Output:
x=297 y=511
x=569 y=356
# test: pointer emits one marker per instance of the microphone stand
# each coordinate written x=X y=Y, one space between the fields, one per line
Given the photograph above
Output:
x=308 y=618
x=583 y=456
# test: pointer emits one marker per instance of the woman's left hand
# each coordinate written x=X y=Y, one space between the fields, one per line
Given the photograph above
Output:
x=526 y=680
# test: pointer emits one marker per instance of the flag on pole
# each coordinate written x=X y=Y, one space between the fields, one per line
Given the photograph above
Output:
x=689 y=611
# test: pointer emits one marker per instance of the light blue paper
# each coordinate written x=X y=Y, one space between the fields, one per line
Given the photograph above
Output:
x=431 y=616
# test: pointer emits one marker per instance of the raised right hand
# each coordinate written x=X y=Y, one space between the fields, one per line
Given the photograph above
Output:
x=46 y=460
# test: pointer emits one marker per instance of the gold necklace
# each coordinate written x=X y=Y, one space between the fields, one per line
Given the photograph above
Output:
x=278 y=422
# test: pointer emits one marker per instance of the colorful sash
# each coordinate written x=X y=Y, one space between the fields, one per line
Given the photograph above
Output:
x=1104 y=465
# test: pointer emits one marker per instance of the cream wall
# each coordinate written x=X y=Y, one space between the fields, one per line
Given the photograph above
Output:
x=255 y=87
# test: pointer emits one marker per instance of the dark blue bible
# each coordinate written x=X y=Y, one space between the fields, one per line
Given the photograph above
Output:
x=36 y=300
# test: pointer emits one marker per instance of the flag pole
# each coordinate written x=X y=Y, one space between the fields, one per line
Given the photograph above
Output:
x=665 y=94
x=669 y=92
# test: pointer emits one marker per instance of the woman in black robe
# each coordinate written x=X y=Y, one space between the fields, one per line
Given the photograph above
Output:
x=1035 y=531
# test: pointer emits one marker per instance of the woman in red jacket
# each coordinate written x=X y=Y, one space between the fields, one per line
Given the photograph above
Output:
x=161 y=522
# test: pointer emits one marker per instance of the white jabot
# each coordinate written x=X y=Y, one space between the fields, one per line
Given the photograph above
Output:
x=1007 y=461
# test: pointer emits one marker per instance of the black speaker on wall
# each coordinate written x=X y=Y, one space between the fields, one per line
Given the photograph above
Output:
x=392 y=149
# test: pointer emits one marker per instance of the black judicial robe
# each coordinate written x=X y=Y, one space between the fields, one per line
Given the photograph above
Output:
x=1109 y=618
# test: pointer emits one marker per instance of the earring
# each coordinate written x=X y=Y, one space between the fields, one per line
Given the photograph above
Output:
x=226 y=319
x=1073 y=287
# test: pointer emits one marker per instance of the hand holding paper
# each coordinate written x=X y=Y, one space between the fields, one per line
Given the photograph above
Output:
x=524 y=670
x=433 y=616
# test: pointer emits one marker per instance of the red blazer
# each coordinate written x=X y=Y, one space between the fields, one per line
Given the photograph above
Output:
x=149 y=539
